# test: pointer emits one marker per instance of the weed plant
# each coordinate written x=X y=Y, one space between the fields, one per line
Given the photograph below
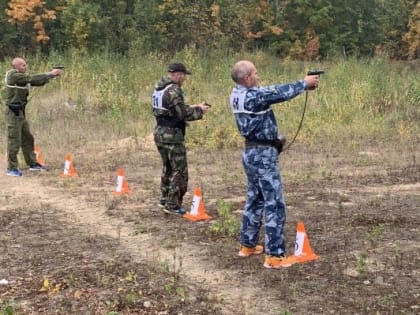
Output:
x=226 y=225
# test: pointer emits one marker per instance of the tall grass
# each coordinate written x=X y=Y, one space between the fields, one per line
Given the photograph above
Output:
x=103 y=97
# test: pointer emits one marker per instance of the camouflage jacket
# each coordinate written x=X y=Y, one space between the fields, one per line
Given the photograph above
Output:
x=17 y=86
x=252 y=108
x=171 y=112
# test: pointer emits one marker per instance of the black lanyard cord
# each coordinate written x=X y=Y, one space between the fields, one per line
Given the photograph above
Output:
x=300 y=124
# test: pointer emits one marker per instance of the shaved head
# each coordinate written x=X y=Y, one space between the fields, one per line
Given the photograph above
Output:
x=245 y=73
x=19 y=64
x=241 y=69
x=17 y=61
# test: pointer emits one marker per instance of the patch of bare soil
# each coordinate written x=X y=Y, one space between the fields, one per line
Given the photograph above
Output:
x=106 y=254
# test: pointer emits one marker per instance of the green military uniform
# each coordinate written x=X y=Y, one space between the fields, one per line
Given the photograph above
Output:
x=172 y=115
x=16 y=98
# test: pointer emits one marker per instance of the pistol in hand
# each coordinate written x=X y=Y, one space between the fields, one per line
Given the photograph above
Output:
x=315 y=72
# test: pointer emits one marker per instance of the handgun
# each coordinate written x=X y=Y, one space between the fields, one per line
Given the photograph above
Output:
x=58 y=67
x=207 y=104
x=316 y=72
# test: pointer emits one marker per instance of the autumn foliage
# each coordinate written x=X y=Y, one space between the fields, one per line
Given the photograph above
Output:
x=33 y=13
x=298 y=29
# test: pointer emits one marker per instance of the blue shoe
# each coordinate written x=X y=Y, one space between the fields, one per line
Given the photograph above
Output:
x=14 y=172
x=38 y=167
x=180 y=211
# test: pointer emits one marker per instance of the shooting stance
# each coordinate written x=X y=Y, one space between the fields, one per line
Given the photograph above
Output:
x=256 y=122
x=172 y=115
x=18 y=85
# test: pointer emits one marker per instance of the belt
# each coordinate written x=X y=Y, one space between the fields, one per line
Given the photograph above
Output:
x=254 y=143
x=172 y=123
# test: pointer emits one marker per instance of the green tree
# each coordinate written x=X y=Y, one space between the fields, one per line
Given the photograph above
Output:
x=146 y=14
x=393 y=22
x=120 y=25
x=354 y=30
x=260 y=26
x=306 y=25
x=9 y=41
x=194 y=24
x=83 y=27
x=233 y=24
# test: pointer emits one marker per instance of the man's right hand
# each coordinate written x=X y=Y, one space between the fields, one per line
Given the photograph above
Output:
x=55 y=72
x=312 y=81
x=203 y=107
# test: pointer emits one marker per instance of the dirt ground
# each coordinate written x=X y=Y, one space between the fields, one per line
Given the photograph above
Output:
x=69 y=246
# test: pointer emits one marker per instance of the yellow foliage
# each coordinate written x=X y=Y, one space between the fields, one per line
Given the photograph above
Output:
x=312 y=48
x=32 y=12
x=405 y=129
x=215 y=10
x=412 y=37
x=49 y=288
x=46 y=284
x=38 y=26
x=276 y=30
x=215 y=14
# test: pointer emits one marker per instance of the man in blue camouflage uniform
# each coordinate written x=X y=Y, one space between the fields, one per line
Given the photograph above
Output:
x=256 y=122
x=172 y=115
x=18 y=85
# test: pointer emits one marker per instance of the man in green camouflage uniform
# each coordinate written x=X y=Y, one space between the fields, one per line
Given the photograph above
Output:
x=172 y=115
x=18 y=84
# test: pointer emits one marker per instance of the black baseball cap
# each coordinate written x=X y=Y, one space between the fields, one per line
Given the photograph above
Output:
x=178 y=67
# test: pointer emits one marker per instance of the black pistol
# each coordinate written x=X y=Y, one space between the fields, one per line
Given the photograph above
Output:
x=315 y=72
x=58 y=67
x=207 y=104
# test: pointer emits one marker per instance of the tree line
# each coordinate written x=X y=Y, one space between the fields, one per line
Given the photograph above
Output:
x=298 y=29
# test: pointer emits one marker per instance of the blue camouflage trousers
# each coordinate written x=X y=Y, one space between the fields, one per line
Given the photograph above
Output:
x=264 y=196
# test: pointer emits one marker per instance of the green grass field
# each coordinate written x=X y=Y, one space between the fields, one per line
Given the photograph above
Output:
x=359 y=102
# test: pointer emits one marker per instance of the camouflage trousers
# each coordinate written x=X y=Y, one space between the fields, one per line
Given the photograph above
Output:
x=264 y=196
x=174 y=179
x=19 y=136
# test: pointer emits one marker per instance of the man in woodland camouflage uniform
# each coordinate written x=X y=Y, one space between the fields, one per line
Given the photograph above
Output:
x=256 y=122
x=171 y=114
x=18 y=84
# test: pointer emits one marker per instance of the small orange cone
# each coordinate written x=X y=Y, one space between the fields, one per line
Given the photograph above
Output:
x=303 y=250
x=38 y=155
x=122 y=185
x=68 y=167
x=197 y=212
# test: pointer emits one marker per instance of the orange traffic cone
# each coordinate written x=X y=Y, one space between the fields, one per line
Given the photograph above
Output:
x=38 y=155
x=197 y=212
x=68 y=167
x=122 y=185
x=303 y=250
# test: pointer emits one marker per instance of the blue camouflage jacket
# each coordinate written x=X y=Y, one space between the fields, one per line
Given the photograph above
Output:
x=252 y=108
